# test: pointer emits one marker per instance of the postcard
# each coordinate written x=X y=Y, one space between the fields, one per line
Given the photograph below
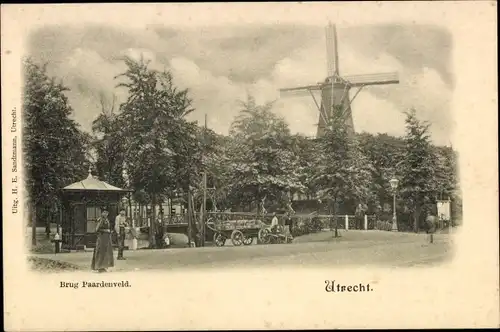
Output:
x=209 y=166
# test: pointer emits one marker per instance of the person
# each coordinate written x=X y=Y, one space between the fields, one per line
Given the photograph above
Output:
x=160 y=230
x=274 y=223
x=120 y=224
x=289 y=221
x=430 y=222
x=359 y=216
x=102 y=257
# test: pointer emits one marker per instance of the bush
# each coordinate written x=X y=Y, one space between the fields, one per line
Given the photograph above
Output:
x=383 y=225
x=49 y=265
x=306 y=225
x=316 y=225
x=43 y=248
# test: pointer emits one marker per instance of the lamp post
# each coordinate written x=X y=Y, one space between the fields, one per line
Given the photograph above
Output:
x=394 y=185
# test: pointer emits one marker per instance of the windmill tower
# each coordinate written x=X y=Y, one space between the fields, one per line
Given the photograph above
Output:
x=335 y=88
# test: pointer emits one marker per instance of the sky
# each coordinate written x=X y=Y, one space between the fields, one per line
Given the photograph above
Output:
x=220 y=65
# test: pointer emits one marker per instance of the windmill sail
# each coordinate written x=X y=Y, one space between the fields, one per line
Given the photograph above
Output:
x=332 y=58
x=303 y=88
x=335 y=89
x=373 y=79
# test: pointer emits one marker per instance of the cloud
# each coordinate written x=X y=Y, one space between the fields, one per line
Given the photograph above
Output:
x=139 y=53
x=220 y=65
x=88 y=76
x=213 y=95
x=374 y=115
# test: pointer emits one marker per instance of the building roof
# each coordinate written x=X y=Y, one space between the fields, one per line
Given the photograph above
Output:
x=91 y=183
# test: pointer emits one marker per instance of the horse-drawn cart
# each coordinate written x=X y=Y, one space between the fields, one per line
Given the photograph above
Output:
x=280 y=234
x=239 y=231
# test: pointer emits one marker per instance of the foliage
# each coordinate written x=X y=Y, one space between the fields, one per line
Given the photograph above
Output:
x=109 y=145
x=164 y=152
x=447 y=181
x=50 y=265
x=419 y=172
x=54 y=147
x=263 y=165
x=43 y=247
x=383 y=225
x=306 y=225
x=343 y=173
x=217 y=162
x=385 y=153
x=141 y=197
x=308 y=154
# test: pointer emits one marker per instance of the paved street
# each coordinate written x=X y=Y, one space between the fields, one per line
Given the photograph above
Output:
x=353 y=248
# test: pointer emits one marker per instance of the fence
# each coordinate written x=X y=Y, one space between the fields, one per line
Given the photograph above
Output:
x=321 y=222
x=347 y=222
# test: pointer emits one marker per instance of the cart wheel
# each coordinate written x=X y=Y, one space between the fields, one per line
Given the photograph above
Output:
x=248 y=241
x=237 y=238
x=264 y=236
x=219 y=239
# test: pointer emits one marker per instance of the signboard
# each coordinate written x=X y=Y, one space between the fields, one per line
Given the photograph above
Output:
x=444 y=211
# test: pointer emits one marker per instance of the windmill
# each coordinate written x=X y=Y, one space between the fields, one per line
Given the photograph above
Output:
x=335 y=89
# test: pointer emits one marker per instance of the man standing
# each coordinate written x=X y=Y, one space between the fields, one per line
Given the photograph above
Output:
x=289 y=213
x=274 y=223
x=120 y=224
x=431 y=223
x=359 y=216
x=160 y=231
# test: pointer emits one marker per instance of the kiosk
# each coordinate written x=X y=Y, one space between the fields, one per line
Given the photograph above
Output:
x=82 y=202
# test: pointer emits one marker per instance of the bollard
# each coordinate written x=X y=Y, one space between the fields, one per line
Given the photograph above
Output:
x=346 y=222
x=135 y=233
x=366 y=222
x=133 y=244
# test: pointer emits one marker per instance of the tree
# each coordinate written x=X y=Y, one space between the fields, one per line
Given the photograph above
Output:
x=308 y=155
x=54 y=148
x=446 y=171
x=109 y=144
x=343 y=173
x=263 y=164
x=418 y=183
x=163 y=150
x=217 y=163
x=385 y=154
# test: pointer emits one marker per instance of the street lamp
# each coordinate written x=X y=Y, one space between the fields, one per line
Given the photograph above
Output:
x=394 y=185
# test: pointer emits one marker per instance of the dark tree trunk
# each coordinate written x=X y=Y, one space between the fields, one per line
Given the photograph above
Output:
x=131 y=216
x=33 y=225
x=139 y=216
x=335 y=209
x=47 y=224
x=332 y=210
x=59 y=218
x=329 y=212
x=152 y=233
x=416 y=219
x=189 y=218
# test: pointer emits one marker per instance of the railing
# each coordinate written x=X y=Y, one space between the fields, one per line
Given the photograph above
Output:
x=324 y=221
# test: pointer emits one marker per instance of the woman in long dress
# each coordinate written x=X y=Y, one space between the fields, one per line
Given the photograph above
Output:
x=103 y=251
